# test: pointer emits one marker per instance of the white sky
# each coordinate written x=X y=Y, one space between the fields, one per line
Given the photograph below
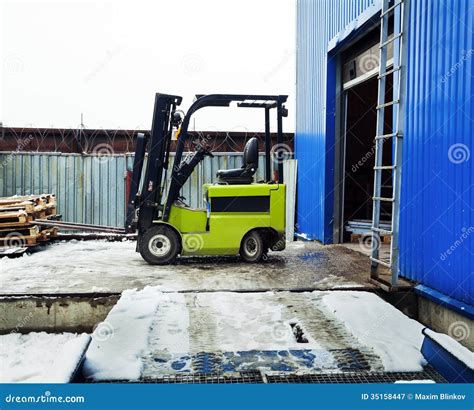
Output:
x=106 y=59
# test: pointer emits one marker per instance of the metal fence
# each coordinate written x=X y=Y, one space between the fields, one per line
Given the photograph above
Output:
x=91 y=189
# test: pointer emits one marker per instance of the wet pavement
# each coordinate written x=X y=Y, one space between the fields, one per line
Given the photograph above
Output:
x=100 y=267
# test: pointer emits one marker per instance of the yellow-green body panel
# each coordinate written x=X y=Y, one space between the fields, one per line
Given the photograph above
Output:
x=219 y=232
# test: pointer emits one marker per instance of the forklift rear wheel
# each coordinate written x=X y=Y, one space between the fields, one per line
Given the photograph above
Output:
x=159 y=245
x=253 y=247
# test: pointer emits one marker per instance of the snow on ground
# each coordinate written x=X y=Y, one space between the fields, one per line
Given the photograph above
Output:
x=396 y=338
x=240 y=331
x=101 y=266
x=150 y=332
x=118 y=342
x=238 y=321
x=40 y=357
x=459 y=351
x=172 y=319
x=69 y=358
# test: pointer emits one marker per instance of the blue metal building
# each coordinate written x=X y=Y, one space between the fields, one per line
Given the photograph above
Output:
x=436 y=205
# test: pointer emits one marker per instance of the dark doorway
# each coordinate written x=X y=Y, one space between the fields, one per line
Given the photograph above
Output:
x=360 y=103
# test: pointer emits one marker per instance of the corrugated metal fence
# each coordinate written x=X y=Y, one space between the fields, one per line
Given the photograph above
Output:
x=91 y=189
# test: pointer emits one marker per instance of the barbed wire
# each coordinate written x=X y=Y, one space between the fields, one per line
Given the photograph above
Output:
x=77 y=140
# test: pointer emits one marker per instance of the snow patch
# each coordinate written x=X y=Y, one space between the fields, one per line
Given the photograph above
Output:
x=69 y=358
x=171 y=323
x=40 y=357
x=452 y=346
x=238 y=328
x=119 y=342
x=393 y=336
x=247 y=322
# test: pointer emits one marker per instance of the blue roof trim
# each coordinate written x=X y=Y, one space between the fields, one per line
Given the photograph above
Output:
x=444 y=300
x=372 y=11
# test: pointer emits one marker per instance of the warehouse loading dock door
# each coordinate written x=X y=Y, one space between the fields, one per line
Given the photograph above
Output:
x=359 y=156
x=359 y=129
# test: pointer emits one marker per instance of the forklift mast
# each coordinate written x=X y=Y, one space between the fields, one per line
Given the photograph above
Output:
x=147 y=199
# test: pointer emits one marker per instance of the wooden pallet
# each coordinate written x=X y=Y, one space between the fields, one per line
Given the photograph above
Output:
x=17 y=219
x=357 y=237
x=13 y=217
x=22 y=230
x=42 y=199
x=29 y=207
x=47 y=234
x=19 y=241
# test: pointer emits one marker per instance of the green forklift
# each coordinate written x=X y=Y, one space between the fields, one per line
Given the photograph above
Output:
x=240 y=216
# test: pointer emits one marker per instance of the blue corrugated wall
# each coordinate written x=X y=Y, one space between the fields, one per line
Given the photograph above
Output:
x=317 y=23
x=437 y=202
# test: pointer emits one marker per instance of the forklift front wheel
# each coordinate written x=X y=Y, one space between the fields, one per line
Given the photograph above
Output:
x=159 y=245
x=252 y=247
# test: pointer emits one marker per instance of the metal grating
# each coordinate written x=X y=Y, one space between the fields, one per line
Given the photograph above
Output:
x=248 y=377
x=255 y=376
x=357 y=377
x=350 y=359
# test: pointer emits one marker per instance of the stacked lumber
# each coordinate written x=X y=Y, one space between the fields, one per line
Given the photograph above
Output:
x=17 y=220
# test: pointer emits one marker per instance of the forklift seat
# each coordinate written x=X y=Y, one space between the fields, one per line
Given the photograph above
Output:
x=244 y=174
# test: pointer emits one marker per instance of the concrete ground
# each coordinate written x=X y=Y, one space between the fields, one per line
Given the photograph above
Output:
x=223 y=315
x=100 y=266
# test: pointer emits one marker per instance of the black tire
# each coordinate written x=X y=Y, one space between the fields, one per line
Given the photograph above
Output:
x=159 y=245
x=252 y=247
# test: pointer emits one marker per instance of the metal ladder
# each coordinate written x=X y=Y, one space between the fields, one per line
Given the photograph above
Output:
x=395 y=137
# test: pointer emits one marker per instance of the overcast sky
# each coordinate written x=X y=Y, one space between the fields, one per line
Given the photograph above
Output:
x=106 y=59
